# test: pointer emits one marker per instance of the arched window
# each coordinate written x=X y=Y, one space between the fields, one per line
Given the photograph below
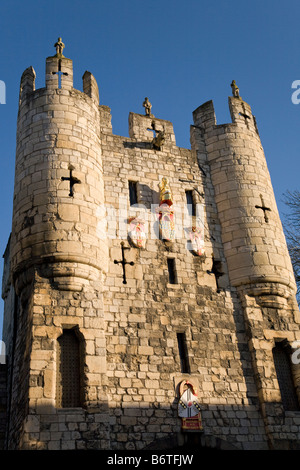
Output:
x=68 y=380
x=285 y=377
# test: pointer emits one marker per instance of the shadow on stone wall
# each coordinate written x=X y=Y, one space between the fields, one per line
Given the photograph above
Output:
x=234 y=427
x=225 y=427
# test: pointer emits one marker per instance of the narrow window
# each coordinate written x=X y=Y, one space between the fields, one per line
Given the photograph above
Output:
x=184 y=360
x=133 y=193
x=172 y=271
x=285 y=377
x=68 y=370
x=190 y=203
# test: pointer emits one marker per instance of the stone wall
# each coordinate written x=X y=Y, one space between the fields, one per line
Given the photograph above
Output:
x=255 y=250
x=132 y=365
x=3 y=403
x=143 y=317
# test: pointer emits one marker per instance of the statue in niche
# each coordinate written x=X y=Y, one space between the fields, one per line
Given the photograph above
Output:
x=147 y=105
x=59 y=45
x=235 y=89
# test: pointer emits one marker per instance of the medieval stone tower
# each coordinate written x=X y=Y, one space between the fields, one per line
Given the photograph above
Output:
x=149 y=294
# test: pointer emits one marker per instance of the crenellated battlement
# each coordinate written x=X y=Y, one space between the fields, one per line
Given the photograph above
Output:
x=241 y=115
x=27 y=84
x=58 y=76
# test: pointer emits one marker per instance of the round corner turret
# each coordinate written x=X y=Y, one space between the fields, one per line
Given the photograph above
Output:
x=253 y=238
x=59 y=180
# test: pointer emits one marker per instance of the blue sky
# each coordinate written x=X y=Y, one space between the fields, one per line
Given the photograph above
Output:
x=178 y=53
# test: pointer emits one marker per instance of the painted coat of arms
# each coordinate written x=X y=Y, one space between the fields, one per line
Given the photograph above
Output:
x=166 y=212
x=189 y=407
x=166 y=222
x=196 y=235
x=137 y=232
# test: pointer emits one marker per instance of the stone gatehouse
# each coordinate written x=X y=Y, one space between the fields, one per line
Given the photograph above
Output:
x=149 y=293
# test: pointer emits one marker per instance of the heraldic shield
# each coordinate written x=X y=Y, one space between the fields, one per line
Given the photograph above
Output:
x=165 y=211
x=196 y=235
x=137 y=233
x=189 y=407
x=166 y=222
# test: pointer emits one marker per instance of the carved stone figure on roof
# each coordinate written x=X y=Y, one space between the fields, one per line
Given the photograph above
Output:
x=159 y=140
x=147 y=105
x=59 y=45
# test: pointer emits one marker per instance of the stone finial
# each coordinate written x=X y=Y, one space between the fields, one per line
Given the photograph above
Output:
x=147 y=105
x=59 y=45
x=235 y=89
